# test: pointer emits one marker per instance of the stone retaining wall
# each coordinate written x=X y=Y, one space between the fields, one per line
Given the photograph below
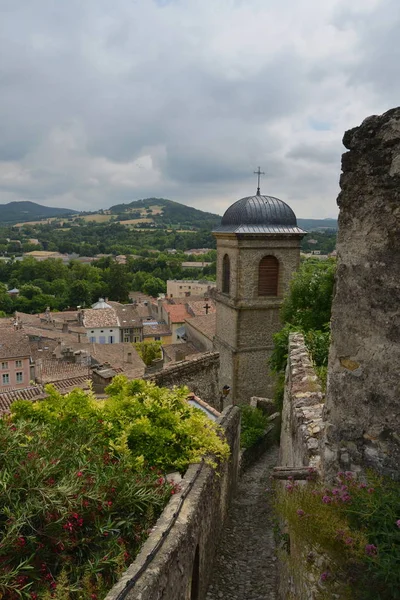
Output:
x=199 y=374
x=181 y=568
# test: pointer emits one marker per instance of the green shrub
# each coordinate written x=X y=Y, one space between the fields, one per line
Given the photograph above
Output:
x=355 y=526
x=150 y=425
x=253 y=425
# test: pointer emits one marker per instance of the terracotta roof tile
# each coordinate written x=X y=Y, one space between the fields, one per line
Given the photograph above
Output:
x=100 y=317
x=205 y=324
x=197 y=307
x=177 y=312
x=13 y=343
x=158 y=329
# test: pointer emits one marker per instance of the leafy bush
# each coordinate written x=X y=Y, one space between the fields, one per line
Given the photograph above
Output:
x=151 y=425
x=149 y=351
x=253 y=425
x=83 y=482
x=308 y=304
x=355 y=526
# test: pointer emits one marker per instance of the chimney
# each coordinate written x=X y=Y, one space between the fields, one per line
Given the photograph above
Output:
x=79 y=338
x=65 y=327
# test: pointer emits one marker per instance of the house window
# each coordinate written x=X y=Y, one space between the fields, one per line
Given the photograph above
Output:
x=102 y=339
x=268 y=273
x=4 y=365
x=92 y=331
x=157 y=338
x=110 y=339
x=18 y=364
x=127 y=339
x=19 y=376
x=101 y=330
x=226 y=274
x=136 y=339
x=6 y=378
x=93 y=339
x=126 y=331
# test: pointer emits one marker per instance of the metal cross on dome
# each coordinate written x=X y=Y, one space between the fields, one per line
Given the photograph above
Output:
x=259 y=173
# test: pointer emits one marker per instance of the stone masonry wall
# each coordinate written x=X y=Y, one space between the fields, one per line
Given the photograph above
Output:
x=200 y=375
x=302 y=409
x=181 y=569
x=363 y=399
x=301 y=432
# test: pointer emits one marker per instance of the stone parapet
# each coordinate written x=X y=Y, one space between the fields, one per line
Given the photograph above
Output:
x=199 y=374
x=302 y=423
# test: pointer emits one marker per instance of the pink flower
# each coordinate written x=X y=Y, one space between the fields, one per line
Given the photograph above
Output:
x=362 y=486
x=79 y=474
x=398 y=523
x=300 y=512
x=349 y=475
x=348 y=541
x=371 y=550
x=324 y=576
x=371 y=490
x=327 y=499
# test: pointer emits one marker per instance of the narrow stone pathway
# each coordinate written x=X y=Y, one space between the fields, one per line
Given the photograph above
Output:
x=245 y=567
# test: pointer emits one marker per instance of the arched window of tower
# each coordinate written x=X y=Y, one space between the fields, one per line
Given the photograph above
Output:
x=226 y=274
x=268 y=274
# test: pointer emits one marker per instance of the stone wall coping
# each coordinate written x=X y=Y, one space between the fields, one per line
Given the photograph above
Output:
x=306 y=401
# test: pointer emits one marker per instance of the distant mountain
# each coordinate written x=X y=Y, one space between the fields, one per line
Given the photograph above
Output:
x=15 y=212
x=317 y=224
x=163 y=212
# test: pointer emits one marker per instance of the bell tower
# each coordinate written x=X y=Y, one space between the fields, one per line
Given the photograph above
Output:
x=258 y=250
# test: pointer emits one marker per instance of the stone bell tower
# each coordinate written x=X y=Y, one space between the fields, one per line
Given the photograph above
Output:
x=258 y=249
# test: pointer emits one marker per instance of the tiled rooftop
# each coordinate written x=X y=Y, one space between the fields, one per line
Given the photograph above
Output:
x=177 y=312
x=182 y=351
x=197 y=307
x=100 y=317
x=158 y=329
x=205 y=324
x=13 y=344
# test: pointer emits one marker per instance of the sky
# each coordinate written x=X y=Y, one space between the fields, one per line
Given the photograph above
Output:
x=107 y=102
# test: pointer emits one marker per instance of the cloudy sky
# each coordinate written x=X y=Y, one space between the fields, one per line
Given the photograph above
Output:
x=103 y=102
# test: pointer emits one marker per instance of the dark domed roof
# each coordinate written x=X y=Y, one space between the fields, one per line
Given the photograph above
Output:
x=259 y=214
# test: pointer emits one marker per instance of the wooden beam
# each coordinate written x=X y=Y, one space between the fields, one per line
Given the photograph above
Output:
x=294 y=473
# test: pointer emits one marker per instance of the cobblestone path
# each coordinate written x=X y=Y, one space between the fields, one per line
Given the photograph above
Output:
x=245 y=567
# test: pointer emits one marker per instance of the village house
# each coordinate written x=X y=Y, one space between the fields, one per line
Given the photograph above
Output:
x=17 y=368
x=181 y=288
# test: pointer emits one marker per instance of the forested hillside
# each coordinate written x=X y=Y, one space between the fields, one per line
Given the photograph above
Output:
x=166 y=213
x=13 y=212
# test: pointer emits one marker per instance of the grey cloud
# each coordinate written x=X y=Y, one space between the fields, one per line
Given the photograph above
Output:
x=85 y=90
x=317 y=153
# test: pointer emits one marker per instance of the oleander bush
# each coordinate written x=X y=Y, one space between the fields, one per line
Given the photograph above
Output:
x=348 y=534
x=82 y=482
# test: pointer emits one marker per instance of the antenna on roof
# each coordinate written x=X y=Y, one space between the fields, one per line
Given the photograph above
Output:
x=259 y=173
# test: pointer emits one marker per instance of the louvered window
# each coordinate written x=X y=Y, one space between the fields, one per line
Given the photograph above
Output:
x=226 y=274
x=268 y=272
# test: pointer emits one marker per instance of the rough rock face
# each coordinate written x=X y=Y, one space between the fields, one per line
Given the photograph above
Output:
x=363 y=399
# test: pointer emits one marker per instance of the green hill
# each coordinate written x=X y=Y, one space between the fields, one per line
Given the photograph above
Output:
x=22 y=211
x=166 y=213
